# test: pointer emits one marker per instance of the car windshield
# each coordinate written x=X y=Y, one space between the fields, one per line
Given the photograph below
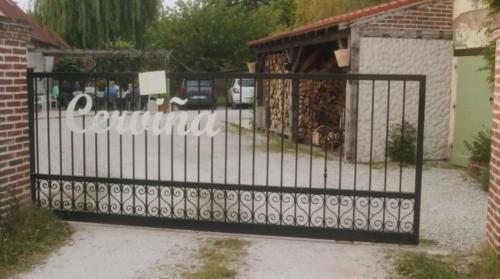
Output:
x=203 y=83
x=247 y=83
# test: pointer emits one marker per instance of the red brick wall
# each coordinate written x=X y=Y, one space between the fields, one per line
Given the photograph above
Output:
x=436 y=16
x=14 y=137
x=493 y=222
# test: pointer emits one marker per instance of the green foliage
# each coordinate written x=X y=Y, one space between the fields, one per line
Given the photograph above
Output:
x=493 y=4
x=489 y=56
x=308 y=11
x=421 y=266
x=94 y=23
x=285 y=11
x=218 y=258
x=489 y=51
x=119 y=44
x=485 y=180
x=101 y=84
x=69 y=65
x=480 y=264
x=402 y=143
x=480 y=147
x=486 y=265
x=26 y=235
x=210 y=35
x=251 y=4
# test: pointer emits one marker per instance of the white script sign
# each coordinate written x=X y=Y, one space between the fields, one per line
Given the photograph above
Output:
x=138 y=122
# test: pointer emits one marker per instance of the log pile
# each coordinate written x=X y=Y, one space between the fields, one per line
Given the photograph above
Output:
x=321 y=102
x=278 y=94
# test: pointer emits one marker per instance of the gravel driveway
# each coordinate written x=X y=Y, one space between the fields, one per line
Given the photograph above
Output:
x=108 y=252
x=453 y=212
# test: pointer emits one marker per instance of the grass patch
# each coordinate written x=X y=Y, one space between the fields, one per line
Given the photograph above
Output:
x=290 y=147
x=27 y=235
x=422 y=266
x=221 y=101
x=234 y=128
x=218 y=259
x=427 y=165
x=428 y=242
x=486 y=265
x=275 y=143
x=480 y=264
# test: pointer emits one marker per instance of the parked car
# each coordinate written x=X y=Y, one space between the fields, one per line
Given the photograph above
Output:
x=241 y=92
x=199 y=93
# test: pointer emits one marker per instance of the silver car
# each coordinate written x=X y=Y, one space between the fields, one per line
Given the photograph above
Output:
x=241 y=92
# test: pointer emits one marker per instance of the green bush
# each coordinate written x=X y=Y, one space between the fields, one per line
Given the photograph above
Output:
x=402 y=143
x=102 y=84
x=69 y=65
x=485 y=180
x=480 y=147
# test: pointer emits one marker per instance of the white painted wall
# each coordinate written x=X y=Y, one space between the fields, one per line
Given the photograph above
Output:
x=432 y=58
x=462 y=6
x=40 y=63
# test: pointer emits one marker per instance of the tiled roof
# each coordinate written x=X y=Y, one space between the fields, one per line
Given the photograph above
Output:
x=9 y=9
x=336 y=20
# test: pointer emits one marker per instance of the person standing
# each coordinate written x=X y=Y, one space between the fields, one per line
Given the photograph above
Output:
x=66 y=93
x=112 y=94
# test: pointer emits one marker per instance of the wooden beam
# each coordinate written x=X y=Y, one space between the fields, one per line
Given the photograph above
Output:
x=310 y=61
x=305 y=41
x=297 y=60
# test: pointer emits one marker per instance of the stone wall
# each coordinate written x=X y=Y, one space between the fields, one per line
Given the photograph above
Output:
x=14 y=136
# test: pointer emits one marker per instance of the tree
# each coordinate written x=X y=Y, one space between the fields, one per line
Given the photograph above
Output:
x=252 y=4
x=210 y=35
x=493 y=4
x=308 y=11
x=284 y=9
x=95 y=23
x=489 y=52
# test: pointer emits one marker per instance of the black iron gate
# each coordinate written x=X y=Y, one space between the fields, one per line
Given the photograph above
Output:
x=276 y=166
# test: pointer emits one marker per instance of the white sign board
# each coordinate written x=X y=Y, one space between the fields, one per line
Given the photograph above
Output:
x=151 y=83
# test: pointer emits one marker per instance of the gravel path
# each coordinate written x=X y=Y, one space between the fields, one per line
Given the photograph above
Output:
x=453 y=212
x=108 y=252
x=100 y=251
x=453 y=209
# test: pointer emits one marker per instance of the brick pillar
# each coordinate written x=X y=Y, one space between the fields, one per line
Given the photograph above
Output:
x=14 y=136
x=493 y=222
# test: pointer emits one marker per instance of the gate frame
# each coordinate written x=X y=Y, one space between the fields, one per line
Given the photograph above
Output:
x=245 y=228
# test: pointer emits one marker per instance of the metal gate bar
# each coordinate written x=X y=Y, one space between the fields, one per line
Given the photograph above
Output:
x=255 y=201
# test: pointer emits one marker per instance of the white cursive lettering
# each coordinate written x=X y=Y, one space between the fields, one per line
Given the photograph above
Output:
x=138 y=122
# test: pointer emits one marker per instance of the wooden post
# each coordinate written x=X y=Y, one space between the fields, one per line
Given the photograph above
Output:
x=352 y=89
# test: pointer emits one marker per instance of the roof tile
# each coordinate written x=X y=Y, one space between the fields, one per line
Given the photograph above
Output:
x=10 y=9
x=336 y=20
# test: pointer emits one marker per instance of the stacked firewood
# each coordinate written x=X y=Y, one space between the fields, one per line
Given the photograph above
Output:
x=321 y=103
x=278 y=96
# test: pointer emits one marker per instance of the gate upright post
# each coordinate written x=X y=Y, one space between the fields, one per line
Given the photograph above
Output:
x=31 y=114
x=420 y=156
